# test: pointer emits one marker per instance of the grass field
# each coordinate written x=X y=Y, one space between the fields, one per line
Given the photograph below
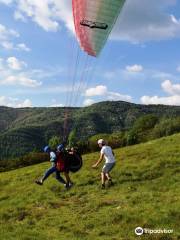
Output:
x=145 y=194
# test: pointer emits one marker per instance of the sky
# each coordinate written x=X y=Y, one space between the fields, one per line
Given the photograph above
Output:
x=41 y=64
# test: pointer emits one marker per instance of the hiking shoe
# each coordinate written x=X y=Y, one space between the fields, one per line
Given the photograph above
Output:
x=39 y=182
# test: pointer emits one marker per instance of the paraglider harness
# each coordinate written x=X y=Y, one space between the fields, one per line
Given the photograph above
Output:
x=92 y=24
x=68 y=161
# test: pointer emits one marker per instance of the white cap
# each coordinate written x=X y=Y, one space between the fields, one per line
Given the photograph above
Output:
x=101 y=141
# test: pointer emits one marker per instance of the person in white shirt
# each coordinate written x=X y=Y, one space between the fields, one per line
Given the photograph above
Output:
x=107 y=154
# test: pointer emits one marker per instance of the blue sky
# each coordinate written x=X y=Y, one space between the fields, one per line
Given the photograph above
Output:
x=38 y=49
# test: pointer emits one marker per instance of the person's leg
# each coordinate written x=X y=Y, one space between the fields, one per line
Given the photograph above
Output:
x=108 y=169
x=46 y=175
x=103 y=179
x=48 y=172
x=110 y=182
x=66 y=174
x=103 y=175
x=59 y=178
x=68 y=180
x=108 y=176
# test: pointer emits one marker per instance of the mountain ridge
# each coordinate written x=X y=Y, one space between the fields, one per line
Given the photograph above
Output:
x=24 y=130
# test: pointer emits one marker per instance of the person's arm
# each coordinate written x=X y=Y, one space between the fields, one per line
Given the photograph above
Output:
x=52 y=157
x=99 y=161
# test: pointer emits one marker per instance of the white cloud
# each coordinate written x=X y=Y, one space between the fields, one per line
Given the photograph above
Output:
x=48 y=14
x=171 y=100
x=15 y=64
x=103 y=91
x=6 y=33
x=26 y=103
x=113 y=96
x=168 y=87
x=42 y=12
x=57 y=105
x=63 y=11
x=22 y=46
x=134 y=68
x=132 y=72
x=12 y=74
x=7 y=2
x=88 y=102
x=11 y=46
x=96 y=91
x=142 y=21
x=14 y=102
x=21 y=80
x=7 y=45
x=19 y=16
x=6 y=39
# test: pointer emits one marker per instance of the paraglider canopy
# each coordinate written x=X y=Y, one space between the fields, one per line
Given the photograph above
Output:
x=94 y=20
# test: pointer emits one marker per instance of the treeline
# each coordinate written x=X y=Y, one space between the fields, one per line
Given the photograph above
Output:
x=145 y=128
x=27 y=160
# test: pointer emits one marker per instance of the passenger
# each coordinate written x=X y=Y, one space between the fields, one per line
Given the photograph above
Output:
x=53 y=169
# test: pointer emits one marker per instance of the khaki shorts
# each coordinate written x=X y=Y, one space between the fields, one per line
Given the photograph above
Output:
x=108 y=167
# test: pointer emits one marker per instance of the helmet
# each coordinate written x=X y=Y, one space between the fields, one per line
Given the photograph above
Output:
x=60 y=147
x=101 y=141
x=46 y=149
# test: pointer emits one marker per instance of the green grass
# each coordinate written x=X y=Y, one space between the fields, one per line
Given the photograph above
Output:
x=145 y=194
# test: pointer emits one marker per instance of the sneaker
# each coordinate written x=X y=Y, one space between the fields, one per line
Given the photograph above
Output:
x=71 y=184
x=39 y=182
x=68 y=185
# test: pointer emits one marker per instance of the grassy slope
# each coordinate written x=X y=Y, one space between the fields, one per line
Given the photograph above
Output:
x=145 y=194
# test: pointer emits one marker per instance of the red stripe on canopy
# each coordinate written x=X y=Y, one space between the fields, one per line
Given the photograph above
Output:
x=79 y=13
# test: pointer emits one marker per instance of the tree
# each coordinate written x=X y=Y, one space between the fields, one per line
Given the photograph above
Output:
x=166 y=127
x=54 y=142
x=145 y=122
x=131 y=137
x=72 y=138
x=142 y=128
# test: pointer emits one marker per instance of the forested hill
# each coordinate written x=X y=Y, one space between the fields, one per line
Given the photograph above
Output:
x=27 y=129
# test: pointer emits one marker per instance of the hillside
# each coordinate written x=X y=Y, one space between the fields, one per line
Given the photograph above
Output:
x=28 y=129
x=146 y=194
